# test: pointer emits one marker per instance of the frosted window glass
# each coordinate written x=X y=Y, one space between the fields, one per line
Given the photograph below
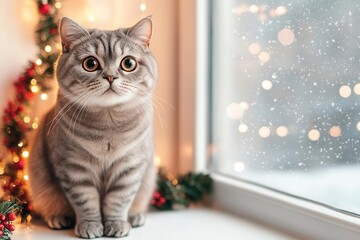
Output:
x=285 y=94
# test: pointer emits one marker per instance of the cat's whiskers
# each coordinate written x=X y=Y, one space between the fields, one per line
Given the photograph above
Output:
x=65 y=110
x=158 y=107
x=82 y=105
x=84 y=102
x=60 y=112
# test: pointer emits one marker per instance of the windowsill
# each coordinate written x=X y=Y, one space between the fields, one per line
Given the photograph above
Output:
x=191 y=224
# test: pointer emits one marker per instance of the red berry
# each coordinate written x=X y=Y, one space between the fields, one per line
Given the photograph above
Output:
x=11 y=227
x=6 y=223
x=2 y=217
x=1 y=233
x=157 y=194
x=44 y=9
x=1 y=227
x=11 y=216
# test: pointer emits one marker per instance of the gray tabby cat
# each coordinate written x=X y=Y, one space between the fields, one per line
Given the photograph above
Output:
x=93 y=156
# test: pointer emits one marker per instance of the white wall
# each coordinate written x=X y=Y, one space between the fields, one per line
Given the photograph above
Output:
x=17 y=22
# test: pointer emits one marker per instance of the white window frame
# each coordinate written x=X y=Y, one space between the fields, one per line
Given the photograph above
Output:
x=298 y=217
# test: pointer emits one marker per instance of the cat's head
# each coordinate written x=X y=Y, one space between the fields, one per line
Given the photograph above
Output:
x=106 y=68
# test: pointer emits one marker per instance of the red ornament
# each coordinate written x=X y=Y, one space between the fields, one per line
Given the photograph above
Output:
x=21 y=78
x=53 y=31
x=1 y=233
x=11 y=216
x=30 y=72
x=19 y=165
x=44 y=9
x=2 y=217
x=1 y=227
x=11 y=227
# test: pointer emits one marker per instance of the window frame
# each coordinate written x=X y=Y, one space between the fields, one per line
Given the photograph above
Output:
x=298 y=217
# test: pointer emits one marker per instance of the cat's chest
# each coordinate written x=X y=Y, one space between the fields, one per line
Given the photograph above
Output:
x=110 y=146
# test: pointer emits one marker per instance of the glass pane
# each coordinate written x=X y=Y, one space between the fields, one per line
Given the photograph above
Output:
x=285 y=96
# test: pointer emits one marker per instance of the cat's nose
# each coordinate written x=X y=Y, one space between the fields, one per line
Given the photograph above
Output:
x=110 y=78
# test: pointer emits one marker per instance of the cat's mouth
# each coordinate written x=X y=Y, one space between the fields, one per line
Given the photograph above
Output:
x=109 y=91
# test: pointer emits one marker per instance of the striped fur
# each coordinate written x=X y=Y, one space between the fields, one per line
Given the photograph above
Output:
x=93 y=157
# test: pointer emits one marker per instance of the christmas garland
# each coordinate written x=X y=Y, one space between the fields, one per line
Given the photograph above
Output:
x=37 y=78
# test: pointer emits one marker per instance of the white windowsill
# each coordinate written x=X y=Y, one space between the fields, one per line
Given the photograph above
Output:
x=190 y=224
x=297 y=217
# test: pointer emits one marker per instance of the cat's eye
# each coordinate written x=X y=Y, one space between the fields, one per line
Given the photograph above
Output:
x=90 y=64
x=128 y=64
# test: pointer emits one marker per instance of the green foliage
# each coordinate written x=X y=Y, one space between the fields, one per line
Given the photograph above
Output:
x=182 y=191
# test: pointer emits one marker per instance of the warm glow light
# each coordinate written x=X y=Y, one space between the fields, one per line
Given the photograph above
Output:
x=314 y=135
x=91 y=18
x=345 y=91
x=281 y=10
x=26 y=177
x=253 y=9
x=286 y=37
x=266 y=84
x=357 y=89
x=264 y=132
x=239 y=10
x=239 y=167
x=358 y=126
x=47 y=48
x=157 y=161
x=25 y=154
x=35 y=125
x=254 y=48
x=264 y=57
x=20 y=144
x=27 y=119
x=335 y=131
x=235 y=111
x=34 y=89
x=282 y=131
x=43 y=96
x=38 y=62
x=1 y=170
x=58 y=5
x=143 y=7
x=174 y=182
x=33 y=81
x=243 y=128
x=244 y=106
x=16 y=159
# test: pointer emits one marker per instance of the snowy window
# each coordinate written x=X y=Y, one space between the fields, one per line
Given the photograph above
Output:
x=285 y=96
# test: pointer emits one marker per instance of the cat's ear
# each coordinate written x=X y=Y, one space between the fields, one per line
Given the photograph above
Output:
x=142 y=31
x=70 y=31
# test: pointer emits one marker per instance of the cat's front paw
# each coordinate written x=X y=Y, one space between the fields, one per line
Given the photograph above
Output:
x=137 y=220
x=60 y=222
x=117 y=228
x=88 y=229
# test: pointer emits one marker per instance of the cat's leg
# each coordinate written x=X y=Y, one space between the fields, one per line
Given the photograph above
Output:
x=142 y=199
x=82 y=191
x=50 y=202
x=47 y=197
x=122 y=185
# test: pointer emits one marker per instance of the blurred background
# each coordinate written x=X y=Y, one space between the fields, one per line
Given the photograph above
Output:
x=173 y=20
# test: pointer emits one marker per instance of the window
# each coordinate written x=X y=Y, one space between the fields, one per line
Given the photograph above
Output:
x=285 y=97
